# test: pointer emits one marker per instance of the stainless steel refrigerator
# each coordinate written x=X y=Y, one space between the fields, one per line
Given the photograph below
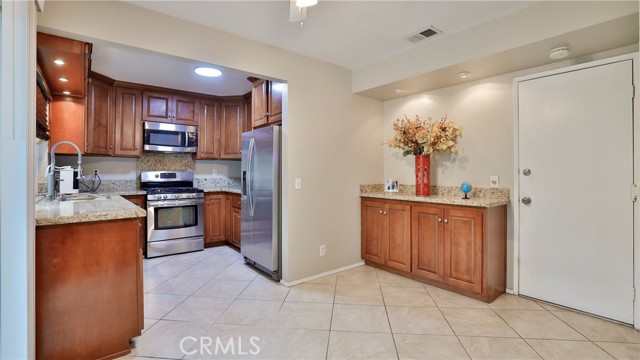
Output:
x=260 y=195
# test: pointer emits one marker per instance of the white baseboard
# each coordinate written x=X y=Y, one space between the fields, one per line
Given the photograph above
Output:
x=318 y=276
x=510 y=291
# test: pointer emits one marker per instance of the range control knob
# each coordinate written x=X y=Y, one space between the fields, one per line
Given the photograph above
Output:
x=164 y=196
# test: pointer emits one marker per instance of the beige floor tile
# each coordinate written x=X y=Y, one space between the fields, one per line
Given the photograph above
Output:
x=312 y=316
x=156 y=306
x=189 y=258
x=168 y=269
x=329 y=279
x=222 y=288
x=357 y=294
x=507 y=301
x=149 y=263
x=236 y=342
x=550 y=307
x=265 y=290
x=237 y=272
x=386 y=278
x=357 y=345
x=562 y=349
x=320 y=293
x=477 y=322
x=498 y=348
x=598 y=329
x=532 y=324
x=363 y=318
x=295 y=344
x=163 y=339
x=151 y=281
x=417 y=320
x=429 y=347
x=621 y=351
x=200 y=309
x=148 y=323
x=179 y=285
x=220 y=259
x=444 y=298
x=250 y=312
x=407 y=296
x=203 y=270
x=361 y=275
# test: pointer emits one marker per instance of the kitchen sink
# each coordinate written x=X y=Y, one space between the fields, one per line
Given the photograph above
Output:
x=82 y=197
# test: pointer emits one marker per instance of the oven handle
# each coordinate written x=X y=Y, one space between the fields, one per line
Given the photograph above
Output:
x=170 y=203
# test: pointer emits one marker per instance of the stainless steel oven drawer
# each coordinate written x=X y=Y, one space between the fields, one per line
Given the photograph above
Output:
x=176 y=246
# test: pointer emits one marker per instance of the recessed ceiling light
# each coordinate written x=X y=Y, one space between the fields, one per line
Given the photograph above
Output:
x=305 y=3
x=58 y=62
x=66 y=92
x=63 y=79
x=207 y=71
x=399 y=91
x=464 y=74
x=559 y=52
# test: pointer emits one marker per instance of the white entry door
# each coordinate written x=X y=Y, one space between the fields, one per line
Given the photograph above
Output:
x=576 y=167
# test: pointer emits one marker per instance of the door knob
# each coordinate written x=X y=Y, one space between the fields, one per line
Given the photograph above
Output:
x=526 y=172
x=446 y=220
x=439 y=219
x=526 y=200
x=385 y=213
x=380 y=211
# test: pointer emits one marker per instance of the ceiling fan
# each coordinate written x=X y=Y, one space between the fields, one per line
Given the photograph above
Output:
x=298 y=10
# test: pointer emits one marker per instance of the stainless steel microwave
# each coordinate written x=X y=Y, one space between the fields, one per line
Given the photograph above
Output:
x=164 y=137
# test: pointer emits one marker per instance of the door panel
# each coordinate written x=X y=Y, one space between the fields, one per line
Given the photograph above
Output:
x=576 y=235
x=399 y=232
x=156 y=106
x=463 y=248
x=372 y=249
x=427 y=230
x=187 y=110
x=128 y=122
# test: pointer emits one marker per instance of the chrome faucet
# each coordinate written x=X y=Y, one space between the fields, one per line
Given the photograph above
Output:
x=51 y=175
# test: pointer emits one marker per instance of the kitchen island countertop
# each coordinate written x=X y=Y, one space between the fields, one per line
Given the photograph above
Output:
x=105 y=207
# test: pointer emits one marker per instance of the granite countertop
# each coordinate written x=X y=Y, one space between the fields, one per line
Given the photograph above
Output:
x=110 y=207
x=437 y=199
x=229 y=189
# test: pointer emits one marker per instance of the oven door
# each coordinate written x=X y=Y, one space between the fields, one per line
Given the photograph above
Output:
x=174 y=219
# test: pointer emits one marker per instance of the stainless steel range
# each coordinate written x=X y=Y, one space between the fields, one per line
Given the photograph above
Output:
x=175 y=221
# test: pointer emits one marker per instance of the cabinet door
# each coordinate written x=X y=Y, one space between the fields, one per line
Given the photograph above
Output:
x=157 y=106
x=99 y=118
x=141 y=202
x=214 y=218
x=427 y=237
x=372 y=231
x=275 y=102
x=246 y=123
x=186 y=110
x=128 y=122
x=228 y=230
x=398 y=244
x=68 y=123
x=231 y=127
x=235 y=226
x=463 y=248
x=259 y=98
x=209 y=131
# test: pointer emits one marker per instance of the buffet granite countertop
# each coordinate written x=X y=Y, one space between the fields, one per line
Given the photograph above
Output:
x=228 y=189
x=447 y=195
x=103 y=208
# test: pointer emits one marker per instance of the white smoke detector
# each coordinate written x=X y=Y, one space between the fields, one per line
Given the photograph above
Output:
x=559 y=52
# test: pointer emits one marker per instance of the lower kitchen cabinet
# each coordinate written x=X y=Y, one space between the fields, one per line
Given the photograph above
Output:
x=232 y=220
x=459 y=248
x=140 y=201
x=214 y=219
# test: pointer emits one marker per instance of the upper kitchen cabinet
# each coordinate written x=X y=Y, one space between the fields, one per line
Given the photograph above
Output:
x=99 y=124
x=65 y=65
x=209 y=130
x=128 y=121
x=266 y=100
x=170 y=107
x=232 y=119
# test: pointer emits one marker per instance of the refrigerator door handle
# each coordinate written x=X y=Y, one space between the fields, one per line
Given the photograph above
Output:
x=250 y=175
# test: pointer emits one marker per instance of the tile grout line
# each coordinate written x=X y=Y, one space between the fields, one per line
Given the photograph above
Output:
x=333 y=305
x=449 y=324
x=514 y=330
x=387 y=313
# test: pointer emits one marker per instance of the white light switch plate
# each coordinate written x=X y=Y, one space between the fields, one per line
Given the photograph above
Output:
x=298 y=183
x=494 y=181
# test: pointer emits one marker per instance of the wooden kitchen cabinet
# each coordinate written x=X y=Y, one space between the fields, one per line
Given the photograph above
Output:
x=170 y=108
x=214 y=219
x=99 y=122
x=128 y=122
x=231 y=118
x=232 y=220
x=459 y=248
x=140 y=201
x=209 y=130
x=266 y=100
x=386 y=234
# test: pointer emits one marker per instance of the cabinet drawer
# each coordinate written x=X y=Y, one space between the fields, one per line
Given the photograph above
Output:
x=235 y=202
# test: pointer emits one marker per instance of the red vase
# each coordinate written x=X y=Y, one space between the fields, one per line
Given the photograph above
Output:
x=423 y=175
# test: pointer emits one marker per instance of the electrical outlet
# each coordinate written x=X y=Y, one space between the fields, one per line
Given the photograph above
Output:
x=494 y=181
x=215 y=171
x=95 y=172
x=323 y=250
x=298 y=184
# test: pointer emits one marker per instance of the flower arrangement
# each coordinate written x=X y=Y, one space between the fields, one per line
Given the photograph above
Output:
x=423 y=137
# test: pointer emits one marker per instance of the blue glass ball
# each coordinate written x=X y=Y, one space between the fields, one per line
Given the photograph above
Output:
x=465 y=187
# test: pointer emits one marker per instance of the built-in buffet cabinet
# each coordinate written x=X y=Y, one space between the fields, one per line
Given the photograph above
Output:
x=459 y=248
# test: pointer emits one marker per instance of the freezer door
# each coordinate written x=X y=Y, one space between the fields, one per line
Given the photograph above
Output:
x=245 y=214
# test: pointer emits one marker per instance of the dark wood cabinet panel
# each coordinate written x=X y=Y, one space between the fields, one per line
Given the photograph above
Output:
x=372 y=231
x=275 y=102
x=186 y=110
x=398 y=233
x=140 y=201
x=235 y=226
x=259 y=106
x=463 y=248
x=427 y=229
x=157 y=106
x=228 y=230
x=231 y=129
x=209 y=131
x=128 y=122
x=68 y=123
x=99 y=137
x=214 y=213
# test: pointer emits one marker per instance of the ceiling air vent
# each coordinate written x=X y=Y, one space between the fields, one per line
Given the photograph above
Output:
x=422 y=34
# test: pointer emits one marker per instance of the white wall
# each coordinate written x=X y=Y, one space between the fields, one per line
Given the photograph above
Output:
x=331 y=138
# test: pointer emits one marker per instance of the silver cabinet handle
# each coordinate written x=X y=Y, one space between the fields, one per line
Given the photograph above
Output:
x=446 y=220
x=439 y=219
x=110 y=147
x=526 y=172
x=379 y=211
x=526 y=200
x=202 y=151
x=385 y=213
x=137 y=147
